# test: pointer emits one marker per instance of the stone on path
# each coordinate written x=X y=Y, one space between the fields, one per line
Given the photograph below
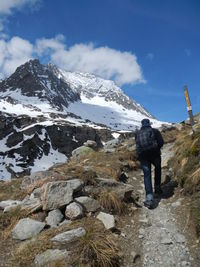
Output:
x=58 y=194
x=107 y=219
x=90 y=204
x=180 y=238
x=54 y=218
x=69 y=236
x=74 y=211
x=27 y=228
x=49 y=256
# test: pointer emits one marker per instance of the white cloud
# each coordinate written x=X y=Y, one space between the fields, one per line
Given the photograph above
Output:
x=14 y=53
x=102 y=61
x=6 y=6
x=105 y=62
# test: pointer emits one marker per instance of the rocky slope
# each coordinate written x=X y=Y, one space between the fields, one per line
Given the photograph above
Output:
x=92 y=207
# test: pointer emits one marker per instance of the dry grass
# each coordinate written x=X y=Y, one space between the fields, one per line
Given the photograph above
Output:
x=97 y=249
x=9 y=220
x=11 y=189
x=104 y=248
x=110 y=202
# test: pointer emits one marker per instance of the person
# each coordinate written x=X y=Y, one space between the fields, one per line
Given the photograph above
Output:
x=148 y=144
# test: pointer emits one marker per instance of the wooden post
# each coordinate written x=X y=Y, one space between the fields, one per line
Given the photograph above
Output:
x=189 y=107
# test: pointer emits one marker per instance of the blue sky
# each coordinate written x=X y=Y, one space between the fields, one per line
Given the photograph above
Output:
x=150 y=48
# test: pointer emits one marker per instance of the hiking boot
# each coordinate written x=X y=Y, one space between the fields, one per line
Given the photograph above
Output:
x=148 y=204
x=158 y=191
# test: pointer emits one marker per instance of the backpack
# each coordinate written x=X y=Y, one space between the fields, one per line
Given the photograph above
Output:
x=146 y=140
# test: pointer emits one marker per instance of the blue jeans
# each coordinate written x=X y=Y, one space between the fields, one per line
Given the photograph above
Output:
x=146 y=167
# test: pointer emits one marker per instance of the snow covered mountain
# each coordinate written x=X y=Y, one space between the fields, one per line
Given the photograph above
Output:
x=46 y=112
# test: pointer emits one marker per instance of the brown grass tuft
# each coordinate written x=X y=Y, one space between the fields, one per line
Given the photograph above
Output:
x=111 y=202
x=11 y=189
x=97 y=249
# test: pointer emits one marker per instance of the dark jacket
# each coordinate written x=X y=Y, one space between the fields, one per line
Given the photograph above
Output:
x=154 y=153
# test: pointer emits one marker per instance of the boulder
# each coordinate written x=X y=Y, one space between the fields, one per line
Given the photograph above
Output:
x=49 y=256
x=54 y=218
x=69 y=236
x=6 y=203
x=74 y=211
x=107 y=219
x=90 y=143
x=90 y=204
x=81 y=151
x=112 y=144
x=58 y=194
x=27 y=228
x=31 y=204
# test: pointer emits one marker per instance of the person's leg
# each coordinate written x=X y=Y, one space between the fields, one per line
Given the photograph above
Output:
x=157 y=178
x=146 y=167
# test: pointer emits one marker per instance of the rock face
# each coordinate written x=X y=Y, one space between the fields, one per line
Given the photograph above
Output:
x=74 y=211
x=107 y=219
x=54 y=218
x=58 y=194
x=27 y=228
x=69 y=236
x=49 y=256
x=90 y=204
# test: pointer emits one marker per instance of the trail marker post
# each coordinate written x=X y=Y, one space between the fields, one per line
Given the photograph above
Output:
x=189 y=107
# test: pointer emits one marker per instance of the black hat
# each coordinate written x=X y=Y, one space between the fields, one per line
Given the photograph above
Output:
x=146 y=122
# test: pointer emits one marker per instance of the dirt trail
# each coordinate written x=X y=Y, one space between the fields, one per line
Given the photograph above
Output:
x=162 y=236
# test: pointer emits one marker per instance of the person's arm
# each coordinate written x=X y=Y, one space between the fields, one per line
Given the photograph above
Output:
x=159 y=138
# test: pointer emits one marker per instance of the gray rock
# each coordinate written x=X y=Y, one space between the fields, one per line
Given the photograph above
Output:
x=6 y=203
x=81 y=151
x=69 y=236
x=31 y=204
x=54 y=217
x=35 y=193
x=65 y=222
x=112 y=143
x=10 y=208
x=179 y=238
x=49 y=256
x=90 y=204
x=107 y=219
x=176 y=204
x=27 y=228
x=58 y=194
x=90 y=143
x=74 y=211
